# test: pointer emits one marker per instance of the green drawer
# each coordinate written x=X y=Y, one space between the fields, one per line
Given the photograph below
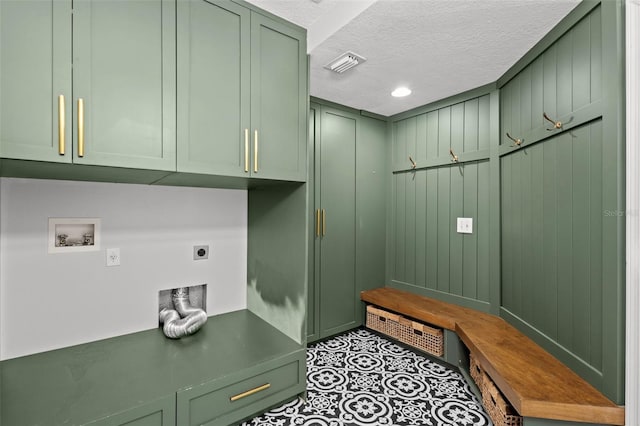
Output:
x=161 y=412
x=233 y=398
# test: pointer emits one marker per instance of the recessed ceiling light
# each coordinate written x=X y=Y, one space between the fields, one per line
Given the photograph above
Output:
x=401 y=92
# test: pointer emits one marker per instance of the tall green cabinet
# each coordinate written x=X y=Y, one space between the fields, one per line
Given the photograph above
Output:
x=110 y=104
x=241 y=77
x=348 y=224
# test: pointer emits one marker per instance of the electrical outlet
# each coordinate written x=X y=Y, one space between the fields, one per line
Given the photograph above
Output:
x=200 y=252
x=465 y=225
x=113 y=257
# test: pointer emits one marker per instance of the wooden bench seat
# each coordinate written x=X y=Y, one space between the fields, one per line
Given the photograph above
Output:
x=534 y=382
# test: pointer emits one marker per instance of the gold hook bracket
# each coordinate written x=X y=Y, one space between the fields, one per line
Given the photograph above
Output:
x=413 y=163
x=517 y=142
x=556 y=124
x=454 y=157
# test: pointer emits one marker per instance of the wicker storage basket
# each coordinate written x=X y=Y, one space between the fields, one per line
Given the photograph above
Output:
x=421 y=336
x=476 y=372
x=383 y=321
x=413 y=333
x=498 y=409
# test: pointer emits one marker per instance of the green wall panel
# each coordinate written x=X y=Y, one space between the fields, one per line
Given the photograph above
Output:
x=371 y=202
x=552 y=240
x=562 y=244
x=547 y=252
x=427 y=137
x=277 y=256
x=563 y=79
x=428 y=252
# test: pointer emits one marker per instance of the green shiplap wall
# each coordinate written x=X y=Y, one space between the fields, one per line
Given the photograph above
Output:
x=428 y=255
x=562 y=198
x=427 y=138
x=565 y=81
x=547 y=251
x=552 y=241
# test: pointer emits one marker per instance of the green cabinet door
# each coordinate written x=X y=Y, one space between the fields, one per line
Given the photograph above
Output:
x=278 y=136
x=213 y=87
x=35 y=69
x=336 y=245
x=161 y=412
x=348 y=223
x=313 y=313
x=124 y=73
x=242 y=93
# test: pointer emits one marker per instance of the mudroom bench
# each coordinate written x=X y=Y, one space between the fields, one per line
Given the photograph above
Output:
x=236 y=366
x=541 y=389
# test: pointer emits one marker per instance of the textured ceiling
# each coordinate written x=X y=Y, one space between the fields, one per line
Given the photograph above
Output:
x=437 y=48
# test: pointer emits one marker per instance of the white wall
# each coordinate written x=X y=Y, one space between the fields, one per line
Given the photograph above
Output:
x=633 y=213
x=50 y=301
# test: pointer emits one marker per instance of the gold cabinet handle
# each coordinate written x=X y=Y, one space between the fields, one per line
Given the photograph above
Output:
x=246 y=150
x=250 y=392
x=324 y=222
x=317 y=222
x=61 y=121
x=80 y=127
x=255 y=152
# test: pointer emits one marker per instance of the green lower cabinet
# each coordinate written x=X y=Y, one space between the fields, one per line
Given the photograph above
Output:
x=161 y=412
x=230 y=399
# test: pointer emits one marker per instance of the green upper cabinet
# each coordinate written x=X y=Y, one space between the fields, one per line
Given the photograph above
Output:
x=242 y=93
x=35 y=69
x=213 y=87
x=278 y=100
x=123 y=74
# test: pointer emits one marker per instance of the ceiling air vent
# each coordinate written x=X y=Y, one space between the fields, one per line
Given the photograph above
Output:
x=345 y=62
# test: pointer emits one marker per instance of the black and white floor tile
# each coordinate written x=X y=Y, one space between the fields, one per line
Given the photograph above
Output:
x=359 y=378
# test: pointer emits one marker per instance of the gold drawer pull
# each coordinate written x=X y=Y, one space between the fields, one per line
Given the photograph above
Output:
x=317 y=222
x=61 y=121
x=255 y=152
x=80 y=127
x=250 y=392
x=246 y=150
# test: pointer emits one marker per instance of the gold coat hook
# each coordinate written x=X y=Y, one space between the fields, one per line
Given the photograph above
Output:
x=556 y=124
x=517 y=142
x=413 y=163
x=454 y=157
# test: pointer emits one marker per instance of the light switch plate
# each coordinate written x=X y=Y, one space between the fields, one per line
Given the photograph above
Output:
x=465 y=225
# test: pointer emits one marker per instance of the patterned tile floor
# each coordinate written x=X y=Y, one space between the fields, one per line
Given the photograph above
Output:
x=359 y=378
